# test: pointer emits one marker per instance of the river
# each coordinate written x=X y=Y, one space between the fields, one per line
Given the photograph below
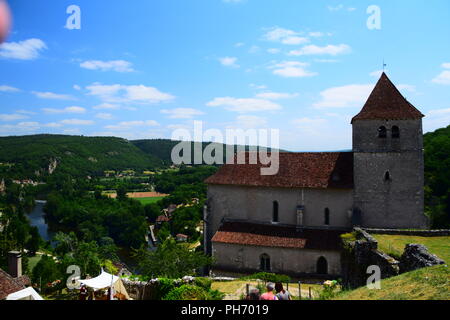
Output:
x=37 y=220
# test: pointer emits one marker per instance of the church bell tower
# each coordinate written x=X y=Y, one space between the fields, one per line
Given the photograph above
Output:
x=388 y=161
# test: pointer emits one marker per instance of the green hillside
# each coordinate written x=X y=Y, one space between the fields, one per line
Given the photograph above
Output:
x=424 y=284
x=25 y=156
x=162 y=148
x=437 y=177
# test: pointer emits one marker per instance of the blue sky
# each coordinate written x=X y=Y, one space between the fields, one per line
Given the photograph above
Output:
x=141 y=69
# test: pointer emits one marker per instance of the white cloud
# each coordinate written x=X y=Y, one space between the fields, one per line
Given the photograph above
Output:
x=104 y=116
x=229 y=62
x=114 y=65
x=257 y=86
x=22 y=50
x=126 y=94
x=12 y=117
x=250 y=122
x=316 y=34
x=77 y=122
x=8 y=89
x=76 y=87
x=124 y=125
x=19 y=128
x=107 y=106
x=436 y=119
x=239 y=44
x=52 y=96
x=444 y=76
x=273 y=50
x=182 y=113
x=345 y=96
x=332 y=50
x=73 y=109
x=291 y=69
x=377 y=73
x=53 y=125
x=285 y=36
x=244 y=105
x=341 y=7
x=276 y=95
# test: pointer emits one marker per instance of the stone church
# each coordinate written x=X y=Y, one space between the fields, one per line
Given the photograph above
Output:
x=291 y=222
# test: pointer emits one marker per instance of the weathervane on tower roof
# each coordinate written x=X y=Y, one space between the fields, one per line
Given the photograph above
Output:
x=384 y=65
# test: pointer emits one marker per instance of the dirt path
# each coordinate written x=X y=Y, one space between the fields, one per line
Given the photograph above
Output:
x=140 y=195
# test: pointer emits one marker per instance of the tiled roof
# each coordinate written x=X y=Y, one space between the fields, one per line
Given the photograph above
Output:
x=9 y=285
x=387 y=103
x=162 y=219
x=296 y=170
x=251 y=234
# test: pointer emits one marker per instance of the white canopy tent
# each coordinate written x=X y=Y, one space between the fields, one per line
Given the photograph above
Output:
x=106 y=280
x=25 y=294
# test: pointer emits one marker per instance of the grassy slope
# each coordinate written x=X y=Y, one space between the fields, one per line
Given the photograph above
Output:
x=394 y=245
x=424 y=284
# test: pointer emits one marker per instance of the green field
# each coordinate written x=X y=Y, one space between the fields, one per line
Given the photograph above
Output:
x=146 y=201
x=394 y=245
x=431 y=283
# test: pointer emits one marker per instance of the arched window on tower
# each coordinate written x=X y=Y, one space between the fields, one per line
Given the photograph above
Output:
x=382 y=132
x=264 y=262
x=327 y=216
x=275 y=217
x=387 y=176
x=395 y=132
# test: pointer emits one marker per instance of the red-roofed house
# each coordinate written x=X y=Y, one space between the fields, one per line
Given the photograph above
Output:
x=290 y=222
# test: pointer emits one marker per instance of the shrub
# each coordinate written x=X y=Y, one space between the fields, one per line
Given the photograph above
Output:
x=187 y=292
x=204 y=283
x=164 y=287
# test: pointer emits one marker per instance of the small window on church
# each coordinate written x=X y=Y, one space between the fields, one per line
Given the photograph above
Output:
x=382 y=132
x=395 y=132
x=275 y=217
x=387 y=176
x=264 y=261
x=327 y=216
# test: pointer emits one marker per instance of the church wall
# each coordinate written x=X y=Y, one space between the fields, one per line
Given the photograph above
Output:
x=256 y=204
x=246 y=259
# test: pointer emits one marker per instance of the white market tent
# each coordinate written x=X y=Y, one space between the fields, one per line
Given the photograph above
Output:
x=106 y=280
x=25 y=294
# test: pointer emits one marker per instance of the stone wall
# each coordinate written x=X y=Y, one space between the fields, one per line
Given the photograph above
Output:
x=255 y=204
x=293 y=262
x=363 y=252
x=358 y=255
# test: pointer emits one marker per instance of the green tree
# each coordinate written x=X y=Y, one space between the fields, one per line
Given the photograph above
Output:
x=171 y=260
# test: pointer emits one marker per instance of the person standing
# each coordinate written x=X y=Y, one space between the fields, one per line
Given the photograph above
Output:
x=281 y=293
x=269 y=295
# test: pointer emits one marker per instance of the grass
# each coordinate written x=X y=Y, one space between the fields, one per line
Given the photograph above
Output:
x=33 y=261
x=234 y=289
x=431 y=283
x=145 y=201
x=394 y=245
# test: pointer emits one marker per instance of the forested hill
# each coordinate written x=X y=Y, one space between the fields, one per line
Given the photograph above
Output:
x=28 y=156
x=162 y=148
x=437 y=176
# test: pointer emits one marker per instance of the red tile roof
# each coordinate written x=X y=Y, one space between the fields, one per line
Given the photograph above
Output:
x=387 y=103
x=296 y=170
x=162 y=219
x=251 y=234
x=9 y=285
